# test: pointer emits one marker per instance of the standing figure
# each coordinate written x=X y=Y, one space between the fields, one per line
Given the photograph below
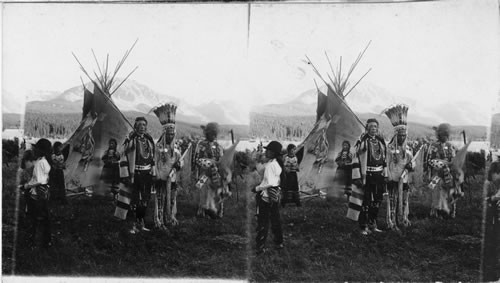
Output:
x=369 y=173
x=490 y=265
x=268 y=194
x=111 y=169
x=168 y=161
x=139 y=150
x=25 y=173
x=57 y=184
x=37 y=190
x=344 y=163
x=442 y=184
x=399 y=160
x=291 y=183
x=209 y=182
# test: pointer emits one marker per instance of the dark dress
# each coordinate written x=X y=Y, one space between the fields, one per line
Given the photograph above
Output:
x=56 y=179
x=290 y=184
x=344 y=162
x=111 y=169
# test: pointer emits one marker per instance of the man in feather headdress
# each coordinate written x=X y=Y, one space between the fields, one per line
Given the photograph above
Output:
x=399 y=160
x=440 y=156
x=168 y=161
x=369 y=173
x=208 y=154
x=139 y=150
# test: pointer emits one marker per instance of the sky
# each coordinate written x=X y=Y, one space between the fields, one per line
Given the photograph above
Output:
x=431 y=51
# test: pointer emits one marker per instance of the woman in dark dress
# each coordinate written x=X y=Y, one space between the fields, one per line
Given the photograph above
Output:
x=56 y=177
x=291 y=184
x=111 y=168
x=344 y=163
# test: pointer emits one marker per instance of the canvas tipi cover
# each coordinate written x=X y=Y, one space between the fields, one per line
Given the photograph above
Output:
x=101 y=121
x=336 y=122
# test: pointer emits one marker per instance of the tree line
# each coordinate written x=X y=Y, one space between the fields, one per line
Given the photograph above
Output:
x=63 y=125
x=298 y=127
x=49 y=125
x=279 y=127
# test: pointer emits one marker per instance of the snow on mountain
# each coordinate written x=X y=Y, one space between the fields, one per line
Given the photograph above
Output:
x=133 y=96
x=365 y=98
x=369 y=98
x=40 y=95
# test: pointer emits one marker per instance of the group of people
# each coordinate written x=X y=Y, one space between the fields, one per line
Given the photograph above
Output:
x=149 y=167
x=373 y=169
x=376 y=168
x=152 y=168
x=142 y=168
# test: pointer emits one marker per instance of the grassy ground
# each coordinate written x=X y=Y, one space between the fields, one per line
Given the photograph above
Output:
x=322 y=245
x=88 y=241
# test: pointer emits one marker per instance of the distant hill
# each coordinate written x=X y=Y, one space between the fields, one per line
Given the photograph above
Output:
x=298 y=127
x=368 y=98
x=62 y=125
x=295 y=118
x=136 y=97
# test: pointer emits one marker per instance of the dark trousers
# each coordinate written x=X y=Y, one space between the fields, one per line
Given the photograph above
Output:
x=268 y=214
x=373 y=194
x=38 y=215
x=143 y=180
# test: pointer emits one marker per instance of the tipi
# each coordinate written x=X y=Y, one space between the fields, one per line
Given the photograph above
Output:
x=335 y=123
x=101 y=121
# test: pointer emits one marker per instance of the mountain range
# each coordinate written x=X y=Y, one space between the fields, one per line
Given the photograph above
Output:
x=371 y=100
x=365 y=100
x=133 y=97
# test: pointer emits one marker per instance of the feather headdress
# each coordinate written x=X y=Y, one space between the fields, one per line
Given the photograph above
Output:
x=398 y=116
x=166 y=114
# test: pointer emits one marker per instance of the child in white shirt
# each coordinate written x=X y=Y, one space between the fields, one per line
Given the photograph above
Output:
x=268 y=197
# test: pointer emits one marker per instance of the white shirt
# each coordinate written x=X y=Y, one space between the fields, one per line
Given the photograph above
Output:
x=272 y=173
x=41 y=171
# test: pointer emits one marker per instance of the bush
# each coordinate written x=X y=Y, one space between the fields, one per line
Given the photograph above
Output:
x=10 y=150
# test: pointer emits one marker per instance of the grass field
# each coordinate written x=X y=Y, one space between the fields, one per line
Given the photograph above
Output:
x=88 y=241
x=321 y=244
